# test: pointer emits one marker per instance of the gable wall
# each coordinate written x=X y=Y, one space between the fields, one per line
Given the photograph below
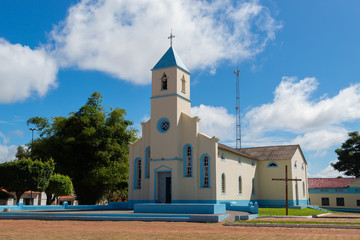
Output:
x=232 y=169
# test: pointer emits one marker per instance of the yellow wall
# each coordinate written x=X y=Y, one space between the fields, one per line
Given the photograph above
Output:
x=349 y=200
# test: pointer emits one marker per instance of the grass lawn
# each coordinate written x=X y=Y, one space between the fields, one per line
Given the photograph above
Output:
x=292 y=212
x=299 y=222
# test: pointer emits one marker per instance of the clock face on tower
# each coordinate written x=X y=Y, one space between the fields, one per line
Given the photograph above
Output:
x=163 y=125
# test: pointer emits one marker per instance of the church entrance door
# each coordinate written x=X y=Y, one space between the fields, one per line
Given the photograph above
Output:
x=164 y=187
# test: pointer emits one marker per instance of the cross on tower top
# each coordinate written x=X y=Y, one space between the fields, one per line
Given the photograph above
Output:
x=171 y=37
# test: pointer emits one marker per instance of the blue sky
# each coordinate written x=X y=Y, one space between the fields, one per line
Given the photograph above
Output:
x=298 y=60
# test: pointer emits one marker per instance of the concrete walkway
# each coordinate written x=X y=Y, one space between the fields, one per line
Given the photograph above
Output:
x=117 y=215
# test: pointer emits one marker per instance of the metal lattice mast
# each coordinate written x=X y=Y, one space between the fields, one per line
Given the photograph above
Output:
x=238 y=120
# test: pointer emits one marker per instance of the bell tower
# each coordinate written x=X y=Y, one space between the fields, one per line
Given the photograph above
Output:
x=169 y=99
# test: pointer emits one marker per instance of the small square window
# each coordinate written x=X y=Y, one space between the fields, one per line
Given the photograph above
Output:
x=340 y=202
x=358 y=203
x=325 y=202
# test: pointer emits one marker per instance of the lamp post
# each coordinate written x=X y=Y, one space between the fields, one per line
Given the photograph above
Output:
x=32 y=142
x=32 y=135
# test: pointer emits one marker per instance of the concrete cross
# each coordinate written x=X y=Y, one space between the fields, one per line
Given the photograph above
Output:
x=171 y=37
x=286 y=179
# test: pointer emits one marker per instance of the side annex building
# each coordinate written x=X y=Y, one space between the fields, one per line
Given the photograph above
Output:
x=175 y=163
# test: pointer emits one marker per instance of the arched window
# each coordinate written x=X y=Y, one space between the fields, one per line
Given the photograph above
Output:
x=239 y=160
x=204 y=171
x=240 y=185
x=137 y=173
x=188 y=161
x=223 y=187
x=304 y=192
x=147 y=162
x=183 y=84
x=253 y=163
x=302 y=166
x=272 y=164
x=295 y=164
x=253 y=187
x=138 y=183
x=223 y=156
x=164 y=82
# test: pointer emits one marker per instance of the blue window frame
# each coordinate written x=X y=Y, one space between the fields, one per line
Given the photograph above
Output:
x=163 y=125
x=272 y=164
x=205 y=171
x=187 y=160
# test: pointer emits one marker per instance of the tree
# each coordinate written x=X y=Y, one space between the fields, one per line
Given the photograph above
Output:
x=22 y=152
x=25 y=174
x=59 y=185
x=5 y=195
x=349 y=156
x=90 y=146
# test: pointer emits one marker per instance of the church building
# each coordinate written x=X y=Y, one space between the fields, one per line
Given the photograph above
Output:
x=175 y=163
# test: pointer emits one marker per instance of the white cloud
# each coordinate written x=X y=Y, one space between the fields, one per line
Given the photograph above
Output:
x=18 y=133
x=123 y=37
x=24 y=72
x=292 y=109
x=328 y=172
x=316 y=123
x=145 y=118
x=5 y=139
x=215 y=121
x=322 y=139
x=7 y=152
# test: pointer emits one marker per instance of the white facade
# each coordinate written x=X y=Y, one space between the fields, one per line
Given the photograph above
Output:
x=174 y=162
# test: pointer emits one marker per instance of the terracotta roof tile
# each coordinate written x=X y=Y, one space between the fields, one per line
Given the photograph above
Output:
x=330 y=182
x=66 y=197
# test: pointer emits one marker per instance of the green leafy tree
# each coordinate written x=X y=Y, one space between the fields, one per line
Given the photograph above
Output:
x=90 y=146
x=349 y=156
x=25 y=174
x=5 y=195
x=22 y=152
x=59 y=185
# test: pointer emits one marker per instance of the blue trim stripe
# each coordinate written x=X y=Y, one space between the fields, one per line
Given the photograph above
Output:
x=170 y=95
x=166 y=159
x=350 y=190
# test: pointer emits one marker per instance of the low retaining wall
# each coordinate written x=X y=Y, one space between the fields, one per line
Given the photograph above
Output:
x=110 y=206
x=186 y=208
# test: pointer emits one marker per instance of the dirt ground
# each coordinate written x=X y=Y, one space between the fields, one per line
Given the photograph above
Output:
x=36 y=229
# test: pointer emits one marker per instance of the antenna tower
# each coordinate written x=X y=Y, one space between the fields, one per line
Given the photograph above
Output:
x=238 y=122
